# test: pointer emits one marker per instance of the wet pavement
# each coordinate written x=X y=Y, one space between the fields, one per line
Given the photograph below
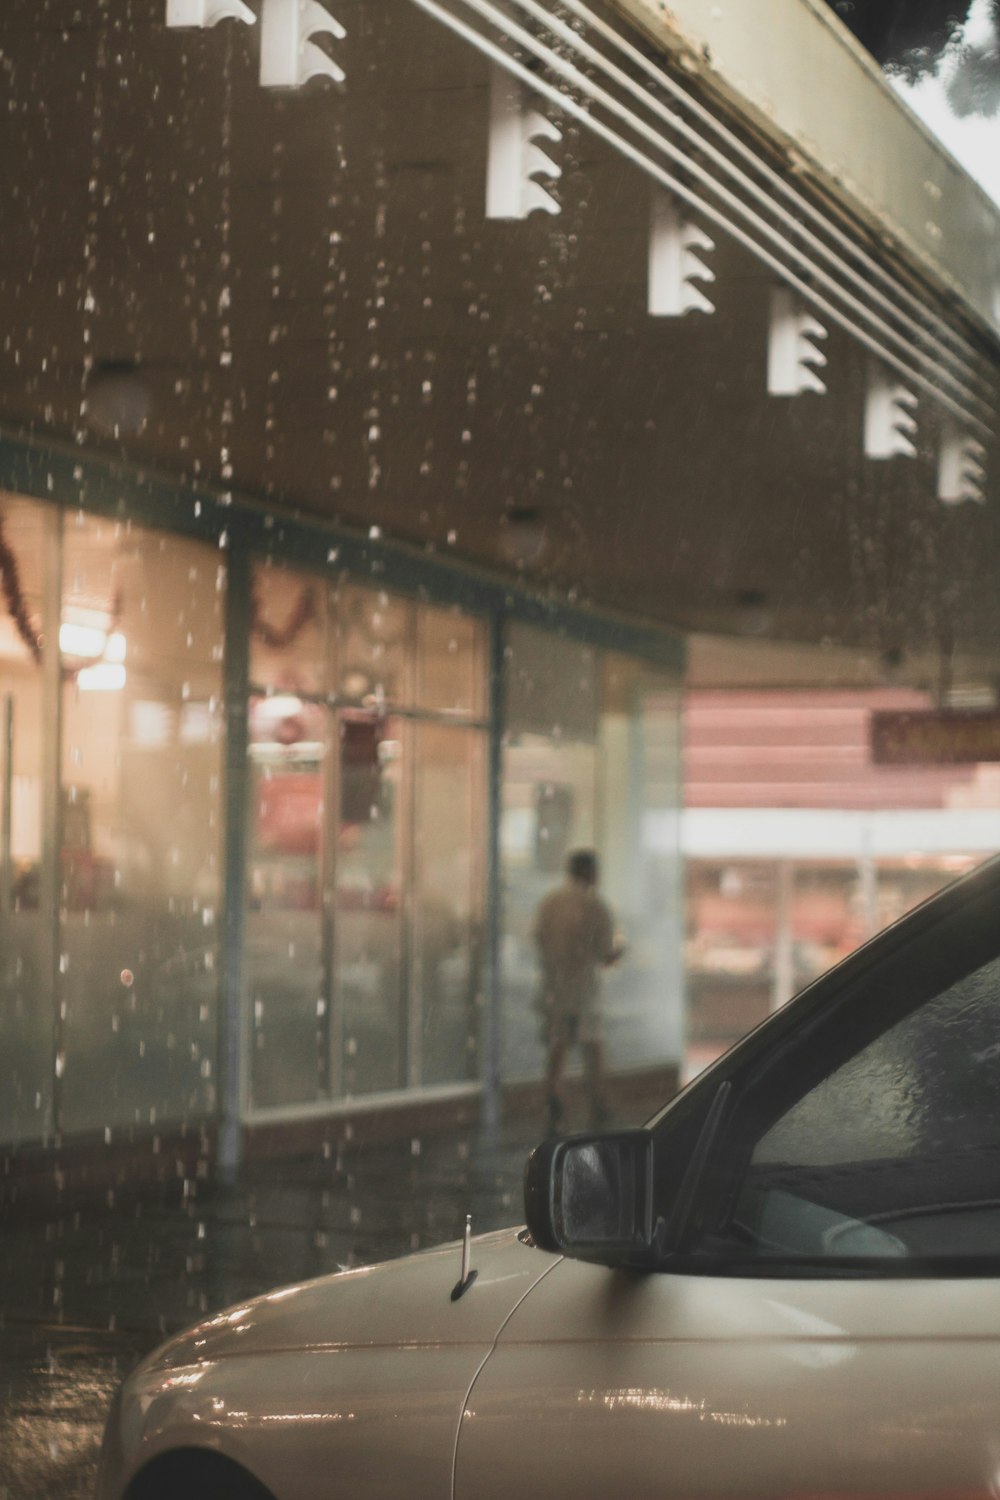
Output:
x=89 y=1283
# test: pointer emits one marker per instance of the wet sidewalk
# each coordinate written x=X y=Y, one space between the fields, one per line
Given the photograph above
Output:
x=91 y=1282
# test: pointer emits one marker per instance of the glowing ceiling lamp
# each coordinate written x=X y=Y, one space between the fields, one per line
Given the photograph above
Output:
x=77 y=639
x=104 y=652
x=102 y=677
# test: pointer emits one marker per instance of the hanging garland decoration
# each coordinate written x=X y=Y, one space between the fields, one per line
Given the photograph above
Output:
x=10 y=577
x=277 y=639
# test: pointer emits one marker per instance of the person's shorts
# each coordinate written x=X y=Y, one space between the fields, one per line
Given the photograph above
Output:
x=570 y=1027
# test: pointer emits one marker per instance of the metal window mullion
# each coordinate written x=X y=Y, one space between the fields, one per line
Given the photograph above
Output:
x=50 y=871
x=438 y=716
x=639 y=789
x=331 y=1047
x=336 y=703
x=410 y=1001
x=405 y=715
x=331 y=829
x=411 y=991
x=492 y=977
x=330 y=927
x=233 y=1060
x=475 y=988
x=7 y=810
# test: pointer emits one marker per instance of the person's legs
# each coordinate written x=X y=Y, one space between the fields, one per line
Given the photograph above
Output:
x=560 y=1039
x=593 y=1066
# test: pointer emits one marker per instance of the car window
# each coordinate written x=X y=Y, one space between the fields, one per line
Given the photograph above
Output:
x=894 y=1153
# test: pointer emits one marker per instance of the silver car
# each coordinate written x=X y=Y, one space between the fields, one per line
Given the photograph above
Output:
x=786 y=1284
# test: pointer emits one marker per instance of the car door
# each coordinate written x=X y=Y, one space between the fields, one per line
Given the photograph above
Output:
x=826 y=1318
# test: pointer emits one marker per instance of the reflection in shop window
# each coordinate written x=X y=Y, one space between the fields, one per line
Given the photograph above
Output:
x=285 y=920
x=447 y=944
x=367 y=836
x=141 y=830
x=287 y=630
x=375 y=638
x=368 y=918
x=27 y=531
x=591 y=759
x=450 y=653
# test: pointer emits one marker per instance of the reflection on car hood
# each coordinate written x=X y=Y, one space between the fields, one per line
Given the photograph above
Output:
x=398 y=1302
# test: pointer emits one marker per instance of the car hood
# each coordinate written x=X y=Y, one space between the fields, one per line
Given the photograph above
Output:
x=404 y=1302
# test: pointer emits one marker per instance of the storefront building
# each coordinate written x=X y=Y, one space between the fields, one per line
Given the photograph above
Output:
x=277 y=814
x=453 y=449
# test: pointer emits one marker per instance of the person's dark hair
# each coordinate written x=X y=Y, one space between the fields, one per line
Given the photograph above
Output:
x=582 y=865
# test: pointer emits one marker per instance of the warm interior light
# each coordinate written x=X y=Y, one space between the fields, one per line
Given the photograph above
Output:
x=84 y=638
x=81 y=640
x=103 y=677
x=280 y=706
x=355 y=683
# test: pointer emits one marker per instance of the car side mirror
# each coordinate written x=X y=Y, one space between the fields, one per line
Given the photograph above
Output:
x=591 y=1197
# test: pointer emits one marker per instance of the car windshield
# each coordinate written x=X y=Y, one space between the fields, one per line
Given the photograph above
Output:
x=858 y=1131
x=895 y=1152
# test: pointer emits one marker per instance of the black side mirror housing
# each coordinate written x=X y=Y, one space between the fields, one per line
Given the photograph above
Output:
x=591 y=1197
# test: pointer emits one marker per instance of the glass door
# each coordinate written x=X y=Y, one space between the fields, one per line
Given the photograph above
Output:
x=285 y=925
x=447 y=945
x=291 y=763
x=368 y=801
x=370 y=951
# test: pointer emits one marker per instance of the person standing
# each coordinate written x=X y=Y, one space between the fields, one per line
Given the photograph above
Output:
x=575 y=937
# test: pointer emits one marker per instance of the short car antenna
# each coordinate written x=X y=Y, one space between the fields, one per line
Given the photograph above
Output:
x=467 y=1277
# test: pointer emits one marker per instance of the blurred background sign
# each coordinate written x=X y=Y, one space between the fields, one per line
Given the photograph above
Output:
x=946 y=738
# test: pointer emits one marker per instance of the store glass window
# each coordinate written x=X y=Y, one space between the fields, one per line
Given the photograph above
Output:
x=374 y=645
x=449 y=857
x=368 y=804
x=288 y=626
x=141 y=651
x=450 y=654
x=639 y=794
x=368 y=926
x=285 y=934
x=29 y=564
x=592 y=760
